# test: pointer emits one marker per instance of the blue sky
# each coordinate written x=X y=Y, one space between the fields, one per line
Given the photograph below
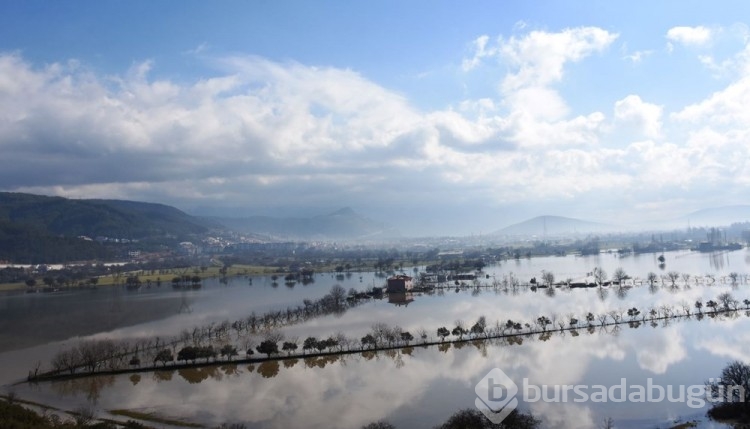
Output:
x=487 y=112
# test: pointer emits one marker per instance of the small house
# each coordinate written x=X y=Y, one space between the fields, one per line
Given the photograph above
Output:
x=401 y=283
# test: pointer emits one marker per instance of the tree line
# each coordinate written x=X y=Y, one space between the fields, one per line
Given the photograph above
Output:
x=208 y=343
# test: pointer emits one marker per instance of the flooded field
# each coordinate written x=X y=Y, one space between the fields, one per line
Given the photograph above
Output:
x=412 y=387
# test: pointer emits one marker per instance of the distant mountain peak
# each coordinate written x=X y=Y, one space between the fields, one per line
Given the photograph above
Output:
x=554 y=225
x=718 y=216
x=344 y=211
x=553 y=217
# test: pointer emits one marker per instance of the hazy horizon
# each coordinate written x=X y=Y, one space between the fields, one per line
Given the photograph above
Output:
x=438 y=118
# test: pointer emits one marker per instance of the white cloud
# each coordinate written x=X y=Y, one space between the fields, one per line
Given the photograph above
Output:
x=690 y=36
x=736 y=65
x=535 y=62
x=538 y=102
x=638 y=56
x=725 y=108
x=481 y=51
x=632 y=112
x=284 y=134
x=538 y=57
x=290 y=134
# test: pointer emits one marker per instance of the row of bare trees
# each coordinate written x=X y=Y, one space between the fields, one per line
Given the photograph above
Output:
x=511 y=283
x=93 y=356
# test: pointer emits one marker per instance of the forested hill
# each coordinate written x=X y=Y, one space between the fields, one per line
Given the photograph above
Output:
x=24 y=244
x=106 y=218
x=41 y=229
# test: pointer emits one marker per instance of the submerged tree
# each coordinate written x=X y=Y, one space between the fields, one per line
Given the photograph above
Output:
x=727 y=301
x=620 y=275
x=369 y=341
x=268 y=348
x=633 y=313
x=599 y=275
x=543 y=321
x=443 y=332
x=188 y=353
x=289 y=347
x=548 y=277
x=673 y=276
x=309 y=344
x=164 y=356
x=228 y=351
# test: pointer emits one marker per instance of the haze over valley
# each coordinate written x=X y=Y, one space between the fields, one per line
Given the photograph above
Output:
x=375 y=215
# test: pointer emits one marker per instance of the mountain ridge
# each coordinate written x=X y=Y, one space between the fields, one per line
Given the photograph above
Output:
x=46 y=229
x=550 y=225
x=718 y=216
x=98 y=217
x=342 y=224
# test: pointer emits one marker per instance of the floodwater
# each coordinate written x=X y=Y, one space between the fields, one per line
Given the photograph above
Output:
x=410 y=388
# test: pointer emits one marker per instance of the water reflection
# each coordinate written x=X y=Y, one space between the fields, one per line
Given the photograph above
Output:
x=197 y=375
x=718 y=260
x=185 y=304
x=394 y=384
x=400 y=298
x=90 y=387
x=135 y=379
x=163 y=375
x=269 y=369
x=288 y=363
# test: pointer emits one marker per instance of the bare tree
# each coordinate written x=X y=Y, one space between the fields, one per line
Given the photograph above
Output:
x=600 y=275
x=548 y=278
x=620 y=275
x=338 y=295
x=673 y=276
x=733 y=387
x=616 y=315
x=734 y=277
x=602 y=318
x=379 y=332
x=686 y=279
x=686 y=308
x=727 y=301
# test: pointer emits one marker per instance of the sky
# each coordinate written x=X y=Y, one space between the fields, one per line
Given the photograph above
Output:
x=438 y=117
